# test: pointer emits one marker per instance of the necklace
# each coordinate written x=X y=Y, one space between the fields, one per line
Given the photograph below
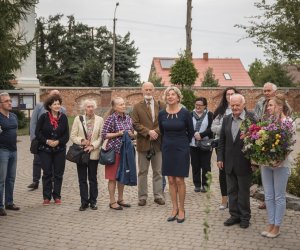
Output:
x=172 y=116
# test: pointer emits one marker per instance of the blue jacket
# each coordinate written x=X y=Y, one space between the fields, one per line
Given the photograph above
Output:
x=126 y=173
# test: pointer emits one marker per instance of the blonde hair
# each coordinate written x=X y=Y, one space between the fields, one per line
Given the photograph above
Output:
x=176 y=90
x=280 y=100
x=85 y=102
x=113 y=104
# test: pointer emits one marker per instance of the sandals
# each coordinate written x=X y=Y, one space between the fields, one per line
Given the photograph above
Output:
x=120 y=203
x=115 y=208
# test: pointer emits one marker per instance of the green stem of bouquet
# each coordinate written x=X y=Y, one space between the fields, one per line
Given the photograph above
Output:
x=206 y=227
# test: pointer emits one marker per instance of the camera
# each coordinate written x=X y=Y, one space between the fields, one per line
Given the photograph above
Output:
x=149 y=154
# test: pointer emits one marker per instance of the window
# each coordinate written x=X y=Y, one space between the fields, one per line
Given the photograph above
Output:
x=227 y=76
x=167 y=63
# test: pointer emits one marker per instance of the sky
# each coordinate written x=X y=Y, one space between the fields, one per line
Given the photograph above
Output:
x=158 y=26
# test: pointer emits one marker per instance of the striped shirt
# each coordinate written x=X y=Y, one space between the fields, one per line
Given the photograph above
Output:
x=113 y=124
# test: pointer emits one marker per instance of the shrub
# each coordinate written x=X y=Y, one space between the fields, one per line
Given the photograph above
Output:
x=256 y=177
x=22 y=120
x=293 y=186
x=188 y=98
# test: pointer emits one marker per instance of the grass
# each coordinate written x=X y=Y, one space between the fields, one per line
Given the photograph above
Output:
x=25 y=130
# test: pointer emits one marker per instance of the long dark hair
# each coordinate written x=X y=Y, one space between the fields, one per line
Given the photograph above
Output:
x=220 y=110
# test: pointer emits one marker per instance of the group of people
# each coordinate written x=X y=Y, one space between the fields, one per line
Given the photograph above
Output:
x=168 y=136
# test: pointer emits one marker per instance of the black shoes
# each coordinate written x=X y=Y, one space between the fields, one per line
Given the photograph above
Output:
x=172 y=218
x=115 y=208
x=203 y=189
x=93 y=206
x=12 y=207
x=181 y=220
x=197 y=189
x=244 y=224
x=231 y=221
x=33 y=186
x=83 y=207
x=2 y=212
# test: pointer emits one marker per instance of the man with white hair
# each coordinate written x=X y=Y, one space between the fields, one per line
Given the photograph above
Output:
x=269 y=91
x=145 y=122
x=36 y=165
x=237 y=167
x=8 y=153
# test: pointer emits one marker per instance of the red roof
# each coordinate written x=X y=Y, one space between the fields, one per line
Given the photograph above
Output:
x=234 y=67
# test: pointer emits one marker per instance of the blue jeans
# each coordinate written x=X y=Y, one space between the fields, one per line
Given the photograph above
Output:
x=274 y=182
x=8 y=167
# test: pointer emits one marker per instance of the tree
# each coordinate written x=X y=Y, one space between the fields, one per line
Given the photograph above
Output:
x=277 y=29
x=209 y=79
x=13 y=46
x=271 y=72
x=255 y=70
x=76 y=55
x=183 y=72
x=156 y=80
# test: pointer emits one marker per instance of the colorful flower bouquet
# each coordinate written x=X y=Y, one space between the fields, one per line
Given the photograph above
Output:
x=268 y=142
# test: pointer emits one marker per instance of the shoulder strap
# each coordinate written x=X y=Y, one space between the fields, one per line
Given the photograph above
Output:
x=81 y=119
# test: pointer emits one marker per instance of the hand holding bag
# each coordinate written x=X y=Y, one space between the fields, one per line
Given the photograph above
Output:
x=107 y=156
x=205 y=144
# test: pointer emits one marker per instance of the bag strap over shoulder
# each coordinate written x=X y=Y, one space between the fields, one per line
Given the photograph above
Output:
x=81 y=119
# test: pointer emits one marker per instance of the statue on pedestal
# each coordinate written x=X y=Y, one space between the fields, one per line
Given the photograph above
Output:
x=105 y=78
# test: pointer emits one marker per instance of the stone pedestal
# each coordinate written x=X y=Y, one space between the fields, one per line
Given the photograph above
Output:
x=26 y=77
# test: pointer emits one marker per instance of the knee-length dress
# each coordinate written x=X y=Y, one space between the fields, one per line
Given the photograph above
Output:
x=177 y=131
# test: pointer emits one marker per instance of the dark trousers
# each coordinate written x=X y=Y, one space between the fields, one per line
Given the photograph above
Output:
x=36 y=168
x=200 y=161
x=88 y=172
x=238 y=188
x=222 y=180
x=55 y=162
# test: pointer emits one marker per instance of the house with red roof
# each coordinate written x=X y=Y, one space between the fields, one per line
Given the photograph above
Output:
x=229 y=71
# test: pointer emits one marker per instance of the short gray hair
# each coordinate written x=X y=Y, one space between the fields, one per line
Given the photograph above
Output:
x=86 y=102
x=176 y=90
x=240 y=96
x=3 y=94
x=274 y=87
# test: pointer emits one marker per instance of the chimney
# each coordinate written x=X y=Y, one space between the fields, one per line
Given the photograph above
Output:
x=205 y=56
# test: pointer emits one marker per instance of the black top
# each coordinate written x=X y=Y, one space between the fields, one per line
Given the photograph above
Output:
x=8 y=136
x=45 y=131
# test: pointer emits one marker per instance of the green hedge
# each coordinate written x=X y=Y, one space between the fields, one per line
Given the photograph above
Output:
x=293 y=186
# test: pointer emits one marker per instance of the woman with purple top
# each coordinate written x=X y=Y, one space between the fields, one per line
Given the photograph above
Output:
x=116 y=123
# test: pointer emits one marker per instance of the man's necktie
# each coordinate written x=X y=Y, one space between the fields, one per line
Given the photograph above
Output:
x=149 y=108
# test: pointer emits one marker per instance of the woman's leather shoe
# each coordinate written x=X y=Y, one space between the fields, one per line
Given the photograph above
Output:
x=172 y=218
x=115 y=208
x=181 y=220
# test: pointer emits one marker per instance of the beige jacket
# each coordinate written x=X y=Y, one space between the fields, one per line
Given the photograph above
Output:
x=77 y=134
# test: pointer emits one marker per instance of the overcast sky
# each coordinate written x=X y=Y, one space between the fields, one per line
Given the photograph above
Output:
x=158 y=26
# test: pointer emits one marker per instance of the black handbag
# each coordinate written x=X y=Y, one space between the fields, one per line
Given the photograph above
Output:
x=34 y=146
x=205 y=145
x=107 y=156
x=76 y=152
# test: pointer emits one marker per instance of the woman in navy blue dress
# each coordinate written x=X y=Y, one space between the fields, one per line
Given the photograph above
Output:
x=176 y=128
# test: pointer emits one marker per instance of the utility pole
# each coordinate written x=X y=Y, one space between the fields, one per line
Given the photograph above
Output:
x=114 y=47
x=188 y=28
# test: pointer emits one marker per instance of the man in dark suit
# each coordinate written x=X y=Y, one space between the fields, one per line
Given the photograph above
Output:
x=237 y=167
x=145 y=122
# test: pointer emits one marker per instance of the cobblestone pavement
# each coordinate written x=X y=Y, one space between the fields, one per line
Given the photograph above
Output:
x=64 y=227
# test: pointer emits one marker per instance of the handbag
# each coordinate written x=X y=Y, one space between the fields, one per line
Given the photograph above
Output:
x=107 y=156
x=34 y=146
x=205 y=145
x=76 y=152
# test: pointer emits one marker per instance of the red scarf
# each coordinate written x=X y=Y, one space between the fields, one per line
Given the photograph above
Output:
x=54 y=120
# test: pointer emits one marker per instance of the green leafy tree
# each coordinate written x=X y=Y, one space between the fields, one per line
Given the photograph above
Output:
x=13 y=46
x=209 y=79
x=271 y=72
x=156 y=80
x=277 y=29
x=255 y=70
x=76 y=55
x=183 y=72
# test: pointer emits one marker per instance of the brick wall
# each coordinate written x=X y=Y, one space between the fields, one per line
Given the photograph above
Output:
x=72 y=97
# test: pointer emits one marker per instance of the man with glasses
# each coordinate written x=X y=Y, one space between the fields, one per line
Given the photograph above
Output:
x=8 y=153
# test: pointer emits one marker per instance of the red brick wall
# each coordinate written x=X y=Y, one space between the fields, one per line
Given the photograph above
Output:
x=72 y=97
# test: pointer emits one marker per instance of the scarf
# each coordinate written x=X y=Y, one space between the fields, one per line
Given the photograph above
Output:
x=54 y=120
x=199 y=120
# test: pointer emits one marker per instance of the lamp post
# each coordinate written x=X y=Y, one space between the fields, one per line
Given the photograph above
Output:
x=114 y=47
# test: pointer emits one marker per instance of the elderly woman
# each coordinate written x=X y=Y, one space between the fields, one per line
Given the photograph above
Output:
x=92 y=124
x=222 y=110
x=176 y=128
x=52 y=132
x=200 y=158
x=113 y=129
x=274 y=179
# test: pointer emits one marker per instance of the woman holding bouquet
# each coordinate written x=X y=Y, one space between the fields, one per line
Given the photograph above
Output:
x=275 y=177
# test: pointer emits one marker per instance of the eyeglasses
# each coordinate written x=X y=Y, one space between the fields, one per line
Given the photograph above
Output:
x=199 y=105
x=6 y=101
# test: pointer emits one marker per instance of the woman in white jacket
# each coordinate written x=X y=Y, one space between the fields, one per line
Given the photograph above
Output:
x=93 y=126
